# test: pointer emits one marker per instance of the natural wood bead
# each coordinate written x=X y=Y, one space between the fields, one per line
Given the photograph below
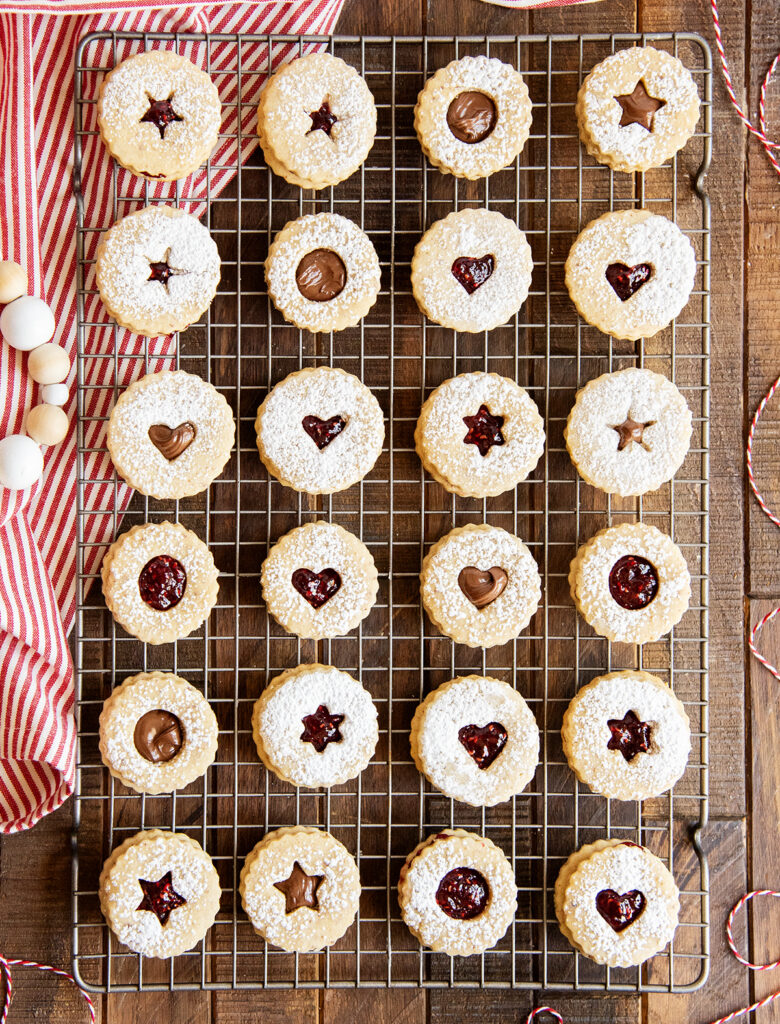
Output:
x=49 y=364
x=47 y=424
x=13 y=281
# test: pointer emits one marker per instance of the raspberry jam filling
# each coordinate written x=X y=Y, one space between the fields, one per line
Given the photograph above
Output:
x=161 y=114
x=162 y=582
x=322 y=119
x=321 y=728
x=629 y=735
x=626 y=281
x=463 y=894
x=472 y=272
x=322 y=432
x=159 y=272
x=619 y=911
x=316 y=587
x=633 y=582
x=483 y=742
x=484 y=430
x=160 y=897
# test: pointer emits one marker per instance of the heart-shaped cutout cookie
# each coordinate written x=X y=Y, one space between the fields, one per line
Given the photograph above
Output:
x=620 y=910
x=322 y=432
x=626 y=281
x=482 y=586
x=483 y=742
x=473 y=271
x=316 y=587
x=171 y=442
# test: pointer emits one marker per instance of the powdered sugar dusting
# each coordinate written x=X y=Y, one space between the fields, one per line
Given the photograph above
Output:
x=586 y=735
x=279 y=715
x=477 y=700
x=610 y=400
x=323 y=392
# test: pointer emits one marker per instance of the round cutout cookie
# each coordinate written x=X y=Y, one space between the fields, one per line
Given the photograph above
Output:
x=319 y=581
x=626 y=735
x=630 y=273
x=322 y=272
x=479 y=434
x=480 y=585
x=320 y=430
x=637 y=108
x=159 y=581
x=157 y=270
x=300 y=888
x=170 y=434
x=616 y=903
x=630 y=583
x=628 y=432
x=159 y=893
x=157 y=733
x=476 y=740
x=473 y=117
x=314 y=725
x=472 y=270
x=159 y=115
x=457 y=893
x=316 y=121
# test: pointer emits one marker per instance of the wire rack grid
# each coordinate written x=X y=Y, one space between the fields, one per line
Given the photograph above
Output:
x=243 y=346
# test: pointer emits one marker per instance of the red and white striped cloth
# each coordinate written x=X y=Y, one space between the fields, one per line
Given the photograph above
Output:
x=37 y=229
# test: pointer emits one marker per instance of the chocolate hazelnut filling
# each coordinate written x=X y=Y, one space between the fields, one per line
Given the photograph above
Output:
x=158 y=736
x=321 y=275
x=471 y=116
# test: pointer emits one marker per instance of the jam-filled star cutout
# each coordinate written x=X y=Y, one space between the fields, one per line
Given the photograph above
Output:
x=639 y=107
x=630 y=432
x=484 y=430
x=629 y=735
x=160 y=897
x=162 y=270
x=299 y=889
x=161 y=114
x=321 y=728
x=322 y=119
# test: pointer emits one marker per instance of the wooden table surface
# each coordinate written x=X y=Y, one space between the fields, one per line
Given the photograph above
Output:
x=744 y=769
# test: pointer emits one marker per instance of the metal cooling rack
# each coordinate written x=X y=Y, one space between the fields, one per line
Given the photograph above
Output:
x=243 y=346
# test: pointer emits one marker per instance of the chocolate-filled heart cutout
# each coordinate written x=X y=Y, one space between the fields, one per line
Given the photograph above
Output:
x=472 y=271
x=482 y=586
x=322 y=432
x=483 y=742
x=316 y=587
x=626 y=281
x=171 y=442
x=619 y=911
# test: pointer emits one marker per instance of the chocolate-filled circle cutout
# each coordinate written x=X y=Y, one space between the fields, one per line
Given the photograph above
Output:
x=162 y=582
x=633 y=582
x=471 y=116
x=158 y=736
x=463 y=894
x=321 y=275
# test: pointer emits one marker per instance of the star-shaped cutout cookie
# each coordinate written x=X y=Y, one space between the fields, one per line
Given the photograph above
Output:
x=631 y=432
x=160 y=897
x=484 y=429
x=161 y=114
x=639 y=107
x=629 y=736
x=321 y=728
x=299 y=889
x=162 y=271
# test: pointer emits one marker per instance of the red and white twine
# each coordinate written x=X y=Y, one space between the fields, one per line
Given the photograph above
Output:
x=5 y=968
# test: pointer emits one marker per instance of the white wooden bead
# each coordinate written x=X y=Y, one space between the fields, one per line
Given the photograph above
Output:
x=27 y=323
x=47 y=424
x=13 y=281
x=48 y=364
x=21 y=462
x=55 y=394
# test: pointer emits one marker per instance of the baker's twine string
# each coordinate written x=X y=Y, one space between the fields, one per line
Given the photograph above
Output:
x=5 y=968
x=544 y=1009
x=770 y=514
x=760 y=133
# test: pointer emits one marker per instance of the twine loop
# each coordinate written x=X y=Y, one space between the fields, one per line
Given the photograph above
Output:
x=5 y=969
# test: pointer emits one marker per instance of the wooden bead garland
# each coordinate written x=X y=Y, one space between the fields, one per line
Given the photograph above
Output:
x=27 y=324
